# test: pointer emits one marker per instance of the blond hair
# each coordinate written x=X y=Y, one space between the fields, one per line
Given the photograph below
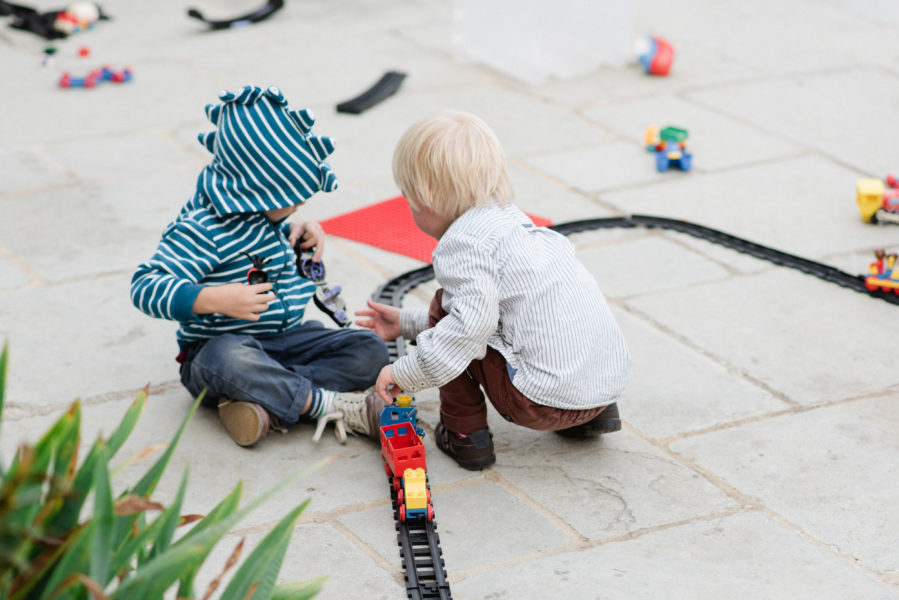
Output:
x=450 y=162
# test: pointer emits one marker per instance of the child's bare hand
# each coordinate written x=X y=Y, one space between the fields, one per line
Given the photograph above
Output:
x=385 y=379
x=236 y=300
x=383 y=320
x=311 y=234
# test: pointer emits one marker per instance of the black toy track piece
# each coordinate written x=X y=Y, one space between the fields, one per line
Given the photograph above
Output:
x=257 y=15
x=327 y=299
x=256 y=274
x=380 y=91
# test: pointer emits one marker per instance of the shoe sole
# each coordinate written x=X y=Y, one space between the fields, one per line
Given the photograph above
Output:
x=242 y=422
x=591 y=430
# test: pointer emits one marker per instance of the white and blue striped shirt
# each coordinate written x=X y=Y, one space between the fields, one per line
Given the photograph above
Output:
x=521 y=290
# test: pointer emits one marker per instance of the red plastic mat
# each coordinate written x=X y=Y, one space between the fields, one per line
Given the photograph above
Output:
x=388 y=225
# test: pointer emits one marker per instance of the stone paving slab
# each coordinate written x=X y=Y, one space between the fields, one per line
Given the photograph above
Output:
x=741 y=556
x=806 y=339
x=779 y=462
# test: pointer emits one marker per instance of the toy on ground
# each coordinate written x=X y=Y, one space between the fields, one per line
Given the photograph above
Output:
x=382 y=89
x=882 y=273
x=264 y=12
x=655 y=54
x=670 y=147
x=327 y=299
x=54 y=24
x=96 y=77
x=878 y=201
x=407 y=472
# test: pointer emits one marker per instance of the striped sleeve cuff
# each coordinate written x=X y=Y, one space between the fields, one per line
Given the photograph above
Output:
x=413 y=321
x=408 y=374
x=183 y=301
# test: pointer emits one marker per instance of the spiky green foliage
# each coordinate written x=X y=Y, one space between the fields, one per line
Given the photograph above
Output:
x=49 y=550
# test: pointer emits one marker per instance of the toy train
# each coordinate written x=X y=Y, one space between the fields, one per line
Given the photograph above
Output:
x=404 y=459
x=882 y=273
x=878 y=201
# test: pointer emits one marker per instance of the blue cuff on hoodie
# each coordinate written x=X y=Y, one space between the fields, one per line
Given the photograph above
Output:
x=183 y=301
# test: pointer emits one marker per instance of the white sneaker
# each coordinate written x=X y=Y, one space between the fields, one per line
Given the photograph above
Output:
x=354 y=411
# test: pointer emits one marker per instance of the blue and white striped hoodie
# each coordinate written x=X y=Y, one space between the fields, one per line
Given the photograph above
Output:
x=265 y=157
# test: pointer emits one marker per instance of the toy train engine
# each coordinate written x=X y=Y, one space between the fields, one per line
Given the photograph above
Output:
x=878 y=201
x=882 y=273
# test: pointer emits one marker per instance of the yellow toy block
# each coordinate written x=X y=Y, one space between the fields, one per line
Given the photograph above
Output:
x=404 y=400
x=415 y=488
x=869 y=195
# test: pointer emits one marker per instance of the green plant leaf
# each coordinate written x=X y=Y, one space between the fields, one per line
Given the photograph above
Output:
x=260 y=570
x=4 y=358
x=299 y=591
x=102 y=543
x=74 y=558
x=224 y=508
x=170 y=518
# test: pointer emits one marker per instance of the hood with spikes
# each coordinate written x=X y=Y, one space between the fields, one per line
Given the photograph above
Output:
x=265 y=156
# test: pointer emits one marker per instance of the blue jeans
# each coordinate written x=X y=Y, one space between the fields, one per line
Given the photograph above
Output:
x=278 y=372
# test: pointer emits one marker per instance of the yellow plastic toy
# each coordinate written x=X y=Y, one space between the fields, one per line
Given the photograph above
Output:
x=869 y=195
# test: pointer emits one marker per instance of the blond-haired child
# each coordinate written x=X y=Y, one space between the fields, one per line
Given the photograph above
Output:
x=517 y=313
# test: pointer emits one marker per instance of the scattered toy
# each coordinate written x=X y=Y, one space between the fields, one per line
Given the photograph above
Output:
x=670 y=147
x=380 y=91
x=84 y=51
x=254 y=17
x=655 y=54
x=95 y=77
x=54 y=24
x=878 y=201
x=882 y=273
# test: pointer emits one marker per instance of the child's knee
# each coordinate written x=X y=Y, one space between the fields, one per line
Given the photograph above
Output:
x=230 y=351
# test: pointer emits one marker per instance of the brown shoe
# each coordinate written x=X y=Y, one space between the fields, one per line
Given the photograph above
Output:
x=605 y=422
x=247 y=423
x=473 y=452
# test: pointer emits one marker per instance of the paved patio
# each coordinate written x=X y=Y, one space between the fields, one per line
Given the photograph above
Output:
x=759 y=453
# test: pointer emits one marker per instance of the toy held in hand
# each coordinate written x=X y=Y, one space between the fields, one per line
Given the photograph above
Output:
x=256 y=274
x=327 y=299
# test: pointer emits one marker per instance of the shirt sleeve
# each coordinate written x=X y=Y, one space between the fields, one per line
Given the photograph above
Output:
x=471 y=298
x=167 y=285
x=413 y=321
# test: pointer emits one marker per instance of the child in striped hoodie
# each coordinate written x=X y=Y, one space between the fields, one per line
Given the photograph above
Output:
x=517 y=314
x=261 y=364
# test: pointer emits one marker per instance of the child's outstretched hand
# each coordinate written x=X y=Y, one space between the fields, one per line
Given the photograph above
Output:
x=236 y=300
x=312 y=234
x=383 y=320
